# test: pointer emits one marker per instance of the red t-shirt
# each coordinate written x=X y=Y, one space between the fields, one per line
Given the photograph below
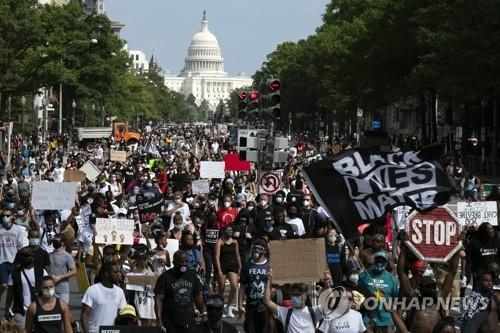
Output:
x=225 y=217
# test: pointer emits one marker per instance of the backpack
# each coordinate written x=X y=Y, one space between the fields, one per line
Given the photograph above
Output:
x=289 y=316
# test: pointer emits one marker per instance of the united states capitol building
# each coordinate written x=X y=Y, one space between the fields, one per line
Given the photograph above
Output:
x=203 y=75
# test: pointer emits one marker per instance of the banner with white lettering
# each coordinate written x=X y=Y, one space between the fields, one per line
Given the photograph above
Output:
x=363 y=185
x=477 y=212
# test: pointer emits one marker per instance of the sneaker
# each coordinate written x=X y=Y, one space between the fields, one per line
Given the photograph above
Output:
x=224 y=313
x=229 y=312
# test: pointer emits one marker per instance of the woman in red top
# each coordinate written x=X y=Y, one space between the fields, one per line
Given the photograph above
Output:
x=226 y=215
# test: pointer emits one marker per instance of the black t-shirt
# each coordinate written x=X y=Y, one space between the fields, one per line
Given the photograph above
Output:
x=179 y=291
x=244 y=243
x=226 y=328
x=335 y=260
x=482 y=253
x=179 y=180
x=280 y=232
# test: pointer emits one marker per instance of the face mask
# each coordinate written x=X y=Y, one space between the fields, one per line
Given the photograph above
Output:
x=298 y=302
x=228 y=232
x=48 y=293
x=292 y=215
x=354 y=278
x=211 y=202
x=279 y=199
x=6 y=221
x=263 y=203
x=183 y=269
x=250 y=208
x=227 y=204
x=306 y=203
x=268 y=224
x=34 y=242
x=90 y=201
x=178 y=227
x=330 y=240
x=379 y=268
x=136 y=191
x=149 y=185
x=56 y=243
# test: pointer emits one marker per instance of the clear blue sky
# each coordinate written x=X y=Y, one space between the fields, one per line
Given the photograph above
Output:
x=246 y=30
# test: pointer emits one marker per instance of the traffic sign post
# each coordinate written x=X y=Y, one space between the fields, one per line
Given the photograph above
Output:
x=269 y=182
x=435 y=236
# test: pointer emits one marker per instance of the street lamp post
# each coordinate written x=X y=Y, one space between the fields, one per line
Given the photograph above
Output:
x=93 y=109
x=73 y=105
x=23 y=103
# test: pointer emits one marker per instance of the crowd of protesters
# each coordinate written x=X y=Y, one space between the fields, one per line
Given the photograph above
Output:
x=223 y=239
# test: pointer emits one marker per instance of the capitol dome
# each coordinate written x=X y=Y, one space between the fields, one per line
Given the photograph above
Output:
x=204 y=54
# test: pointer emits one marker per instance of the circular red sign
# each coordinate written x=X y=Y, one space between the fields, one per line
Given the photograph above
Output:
x=275 y=85
x=434 y=236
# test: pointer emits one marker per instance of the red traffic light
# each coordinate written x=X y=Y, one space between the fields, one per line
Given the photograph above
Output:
x=275 y=85
x=242 y=95
x=254 y=95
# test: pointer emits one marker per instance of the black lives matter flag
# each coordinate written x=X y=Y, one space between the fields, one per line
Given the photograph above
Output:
x=362 y=185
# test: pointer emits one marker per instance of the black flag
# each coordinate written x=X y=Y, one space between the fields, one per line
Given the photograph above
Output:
x=362 y=185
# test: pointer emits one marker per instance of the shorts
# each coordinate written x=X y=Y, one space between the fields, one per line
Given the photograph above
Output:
x=228 y=268
x=6 y=268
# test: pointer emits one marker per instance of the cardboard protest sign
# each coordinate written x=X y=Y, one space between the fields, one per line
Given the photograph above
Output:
x=476 y=213
x=200 y=186
x=74 y=176
x=91 y=171
x=298 y=260
x=149 y=210
x=114 y=231
x=53 y=196
x=82 y=278
x=118 y=156
x=212 y=169
x=140 y=280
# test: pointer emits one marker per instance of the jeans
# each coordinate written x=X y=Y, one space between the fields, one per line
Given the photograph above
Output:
x=208 y=256
x=256 y=317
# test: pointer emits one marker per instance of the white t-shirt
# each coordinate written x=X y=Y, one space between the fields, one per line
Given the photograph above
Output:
x=300 y=320
x=184 y=210
x=30 y=273
x=105 y=303
x=297 y=222
x=351 y=322
x=58 y=174
x=99 y=152
x=10 y=241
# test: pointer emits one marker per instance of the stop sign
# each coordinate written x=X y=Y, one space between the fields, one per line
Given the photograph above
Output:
x=435 y=236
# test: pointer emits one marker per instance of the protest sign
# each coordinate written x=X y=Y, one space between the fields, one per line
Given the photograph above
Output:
x=53 y=196
x=477 y=212
x=298 y=260
x=140 y=280
x=435 y=236
x=200 y=186
x=114 y=231
x=232 y=162
x=82 y=278
x=118 y=156
x=212 y=169
x=74 y=176
x=149 y=210
x=90 y=170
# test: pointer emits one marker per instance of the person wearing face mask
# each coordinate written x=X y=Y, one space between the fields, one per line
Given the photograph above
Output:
x=48 y=314
x=383 y=285
x=351 y=321
x=63 y=267
x=11 y=240
x=41 y=259
x=214 y=323
x=228 y=265
x=176 y=291
x=22 y=286
x=244 y=233
x=260 y=211
x=335 y=255
x=102 y=300
x=195 y=259
x=279 y=200
x=253 y=279
x=227 y=214
x=298 y=319
x=294 y=220
x=178 y=206
x=48 y=233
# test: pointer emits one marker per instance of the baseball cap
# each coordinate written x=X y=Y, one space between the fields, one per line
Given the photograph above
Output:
x=260 y=242
x=127 y=310
x=215 y=301
x=381 y=254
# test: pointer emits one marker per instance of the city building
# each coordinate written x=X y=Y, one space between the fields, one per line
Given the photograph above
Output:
x=203 y=75
x=53 y=2
x=140 y=63
x=94 y=6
